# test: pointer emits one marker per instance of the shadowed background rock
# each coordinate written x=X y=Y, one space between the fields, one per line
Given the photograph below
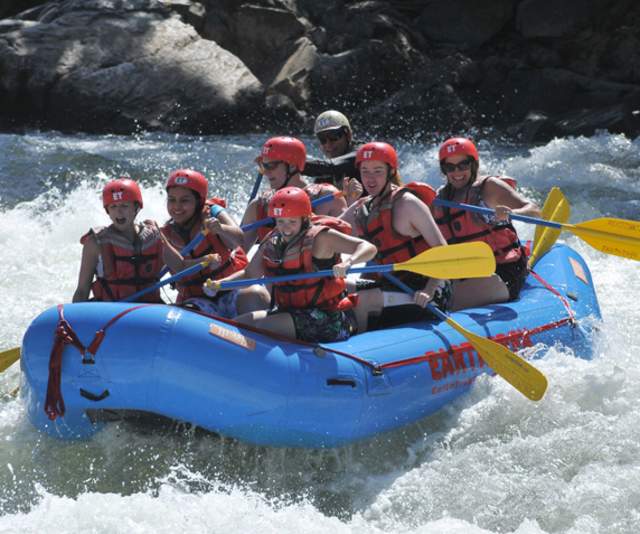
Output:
x=404 y=68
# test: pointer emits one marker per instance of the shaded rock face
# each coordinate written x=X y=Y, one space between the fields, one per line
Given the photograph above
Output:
x=417 y=68
x=118 y=66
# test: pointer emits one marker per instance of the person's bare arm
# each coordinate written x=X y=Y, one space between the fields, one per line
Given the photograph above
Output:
x=88 y=263
x=505 y=200
x=332 y=242
x=226 y=229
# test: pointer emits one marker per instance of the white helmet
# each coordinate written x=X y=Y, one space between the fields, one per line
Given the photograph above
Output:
x=331 y=120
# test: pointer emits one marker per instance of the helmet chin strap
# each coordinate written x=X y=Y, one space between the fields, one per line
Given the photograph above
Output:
x=385 y=189
x=289 y=176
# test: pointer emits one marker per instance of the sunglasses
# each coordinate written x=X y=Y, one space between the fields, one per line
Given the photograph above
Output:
x=464 y=165
x=325 y=137
x=270 y=165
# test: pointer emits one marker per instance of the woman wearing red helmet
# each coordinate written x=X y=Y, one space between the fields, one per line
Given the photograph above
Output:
x=191 y=212
x=123 y=257
x=281 y=160
x=315 y=310
x=459 y=163
x=397 y=220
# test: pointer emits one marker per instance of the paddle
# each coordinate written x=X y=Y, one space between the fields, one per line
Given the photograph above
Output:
x=185 y=272
x=8 y=358
x=256 y=187
x=466 y=260
x=518 y=372
x=556 y=208
x=619 y=237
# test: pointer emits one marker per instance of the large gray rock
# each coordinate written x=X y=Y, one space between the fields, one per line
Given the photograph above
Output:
x=404 y=67
x=99 y=65
x=263 y=36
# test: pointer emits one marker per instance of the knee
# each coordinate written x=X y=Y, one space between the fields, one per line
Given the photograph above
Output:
x=253 y=298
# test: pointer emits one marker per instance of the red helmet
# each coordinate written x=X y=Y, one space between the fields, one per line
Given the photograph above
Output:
x=191 y=180
x=377 y=152
x=121 y=190
x=456 y=146
x=290 y=202
x=287 y=149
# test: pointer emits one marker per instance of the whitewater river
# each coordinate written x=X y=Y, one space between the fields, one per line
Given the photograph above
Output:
x=492 y=462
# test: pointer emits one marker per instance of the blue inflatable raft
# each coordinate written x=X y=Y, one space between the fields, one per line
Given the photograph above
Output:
x=175 y=363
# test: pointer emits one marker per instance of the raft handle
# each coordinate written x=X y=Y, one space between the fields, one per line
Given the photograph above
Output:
x=341 y=382
x=92 y=397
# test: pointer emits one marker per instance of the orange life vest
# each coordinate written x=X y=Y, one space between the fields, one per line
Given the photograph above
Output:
x=280 y=258
x=376 y=225
x=124 y=267
x=315 y=191
x=230 y=260
x=461 y=226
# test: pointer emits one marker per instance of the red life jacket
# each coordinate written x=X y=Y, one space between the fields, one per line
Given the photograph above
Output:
x=315 y=191
x=327 y=293
x=230 y=260
x=376 y=225
x=124 y=267
x=461 y=226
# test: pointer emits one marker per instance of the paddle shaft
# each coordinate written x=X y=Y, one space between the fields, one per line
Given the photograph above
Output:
x=489 y=211
x=186 y=272
x=302 y=276
x=256 y=187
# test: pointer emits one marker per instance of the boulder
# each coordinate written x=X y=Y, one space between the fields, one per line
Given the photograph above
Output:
x=99 y=65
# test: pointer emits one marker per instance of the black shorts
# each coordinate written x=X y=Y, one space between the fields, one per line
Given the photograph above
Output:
x=514 y=274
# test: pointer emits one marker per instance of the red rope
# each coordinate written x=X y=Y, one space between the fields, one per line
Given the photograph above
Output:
x=64 y=335
x=565 y=303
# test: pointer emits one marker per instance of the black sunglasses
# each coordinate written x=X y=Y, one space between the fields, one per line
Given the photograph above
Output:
x=324 y=137
x=270 y=165
x=464 y=165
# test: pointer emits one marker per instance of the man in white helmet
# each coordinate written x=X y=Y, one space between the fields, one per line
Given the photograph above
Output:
x=334 y=133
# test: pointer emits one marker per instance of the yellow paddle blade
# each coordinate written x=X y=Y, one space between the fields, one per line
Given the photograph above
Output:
x=556 y=209
x=466 y=260
x=517 y=371
x=619 y=237
x=8 y=358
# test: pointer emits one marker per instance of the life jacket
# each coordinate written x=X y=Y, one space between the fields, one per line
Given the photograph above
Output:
x=124 y=267
x=230 y=260
x=280 y=258
x=461 y=226
x=376 y=224
x=315 y=191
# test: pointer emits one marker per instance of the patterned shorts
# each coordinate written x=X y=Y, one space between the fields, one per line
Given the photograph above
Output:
x=222 y=305
x=320 y=326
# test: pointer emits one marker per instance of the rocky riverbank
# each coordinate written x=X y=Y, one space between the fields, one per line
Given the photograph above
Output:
x=528 y=69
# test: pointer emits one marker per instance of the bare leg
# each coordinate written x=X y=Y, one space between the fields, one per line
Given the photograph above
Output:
x=278 y=323
x=252 y=298
x=478 y=292
x=369 y=303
